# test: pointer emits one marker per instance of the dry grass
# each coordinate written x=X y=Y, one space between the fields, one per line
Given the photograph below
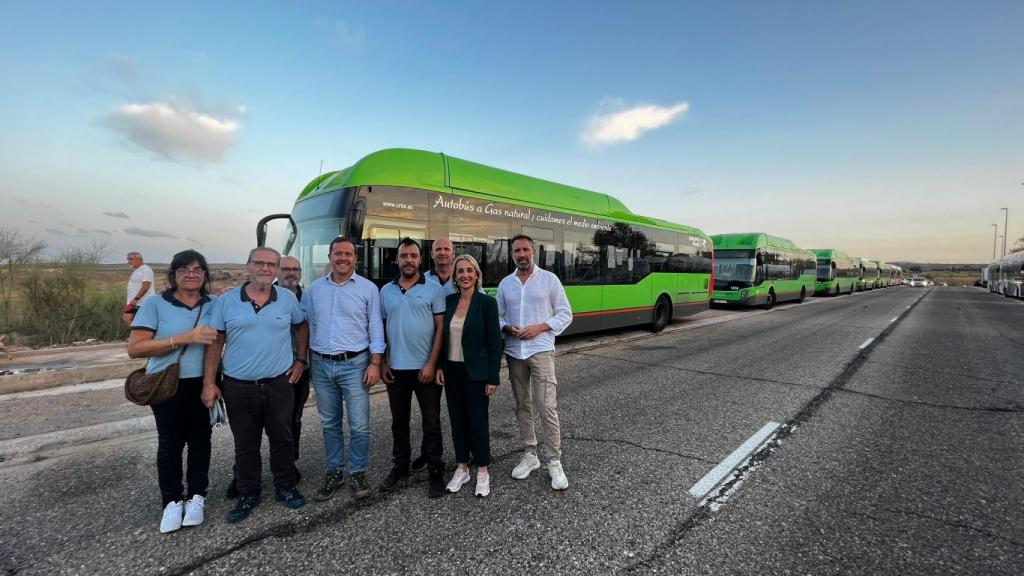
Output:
x=57 y=304
x=952 y=278
x=223 y=276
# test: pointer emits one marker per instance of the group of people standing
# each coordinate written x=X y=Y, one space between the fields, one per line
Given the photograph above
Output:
x=260 y=345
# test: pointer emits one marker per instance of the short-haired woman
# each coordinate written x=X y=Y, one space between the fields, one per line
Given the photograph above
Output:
x=166 y=324
x=469 y=364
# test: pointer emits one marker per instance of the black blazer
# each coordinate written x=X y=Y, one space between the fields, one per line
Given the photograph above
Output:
x=481 y=337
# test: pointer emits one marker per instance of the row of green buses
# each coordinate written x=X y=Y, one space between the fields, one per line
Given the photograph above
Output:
x=839 y=273
x=618 y=268
x=878 y=274
x=757 y=269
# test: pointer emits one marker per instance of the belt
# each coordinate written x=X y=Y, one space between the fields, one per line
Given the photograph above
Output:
x=259 y=381
x=341 y=355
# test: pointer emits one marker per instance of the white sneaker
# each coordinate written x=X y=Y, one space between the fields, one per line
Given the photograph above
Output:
x=459 y=479
x=172 y=517
x=558 y=479
x=528 y=464
x=194 y=511
x=483 y=484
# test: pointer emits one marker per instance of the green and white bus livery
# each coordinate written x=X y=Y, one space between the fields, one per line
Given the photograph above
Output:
x=757 y=269
x=837 y=272
x=618 y=268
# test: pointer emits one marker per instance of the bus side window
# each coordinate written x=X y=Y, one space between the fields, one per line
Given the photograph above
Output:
x=485 y=238
x=684 y=258
x=617 y=246
x=581 y=258
x=660 y=247
x=704 y=264
x=548 y=256
x=381 y=251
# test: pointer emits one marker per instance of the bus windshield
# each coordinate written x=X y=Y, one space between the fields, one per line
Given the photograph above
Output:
x=319 y=220
x=734 y=269
x=311 y=243
x=824 y=270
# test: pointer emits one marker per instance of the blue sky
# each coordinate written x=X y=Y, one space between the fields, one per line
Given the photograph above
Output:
x=892 y=130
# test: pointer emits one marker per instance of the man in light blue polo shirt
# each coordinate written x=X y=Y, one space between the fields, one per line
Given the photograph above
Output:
x=413 y=311
x=347 y=340
x=442 y=252
x=255 y=323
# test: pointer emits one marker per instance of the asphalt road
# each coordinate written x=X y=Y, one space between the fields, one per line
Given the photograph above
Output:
x=901 y=455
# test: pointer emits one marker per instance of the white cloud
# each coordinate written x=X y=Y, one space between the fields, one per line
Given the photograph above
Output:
x=628 y=125
x=173 y=132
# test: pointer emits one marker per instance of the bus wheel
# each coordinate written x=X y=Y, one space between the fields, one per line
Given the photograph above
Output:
x=662 y=315
x=770 y=302
x=803 y=294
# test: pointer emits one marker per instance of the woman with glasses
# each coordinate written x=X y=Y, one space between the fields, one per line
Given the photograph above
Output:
x=174 y=327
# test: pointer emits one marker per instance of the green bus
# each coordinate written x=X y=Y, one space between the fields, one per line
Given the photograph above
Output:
x=869 y=274
x=837 y=272
x=757 y=269
x=618 y=268
x=884 y=274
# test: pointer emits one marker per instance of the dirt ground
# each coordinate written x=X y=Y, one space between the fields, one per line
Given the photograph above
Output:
x=223 y=276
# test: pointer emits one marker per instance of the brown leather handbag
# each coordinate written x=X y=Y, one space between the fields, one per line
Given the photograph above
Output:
x=148 y=389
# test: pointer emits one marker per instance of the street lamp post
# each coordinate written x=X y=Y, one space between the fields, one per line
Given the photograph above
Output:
x=995 y=235
x=1006 y=221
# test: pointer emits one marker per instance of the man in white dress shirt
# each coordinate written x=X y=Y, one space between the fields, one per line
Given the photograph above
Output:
x=532 y=310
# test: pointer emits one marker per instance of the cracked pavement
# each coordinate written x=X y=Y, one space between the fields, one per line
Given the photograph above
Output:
x=903 y=458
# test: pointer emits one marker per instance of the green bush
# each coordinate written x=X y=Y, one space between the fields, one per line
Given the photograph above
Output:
x=59 y=303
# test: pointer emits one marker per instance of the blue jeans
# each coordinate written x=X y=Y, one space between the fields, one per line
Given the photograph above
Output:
x=336 y=382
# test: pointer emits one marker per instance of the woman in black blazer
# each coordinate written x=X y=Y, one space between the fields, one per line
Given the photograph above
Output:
x=468 y=369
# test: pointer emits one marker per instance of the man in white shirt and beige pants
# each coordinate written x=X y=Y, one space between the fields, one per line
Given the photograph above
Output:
x=532 y=310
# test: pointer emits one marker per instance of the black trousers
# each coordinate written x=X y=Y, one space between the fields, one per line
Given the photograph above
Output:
x=468 y=411
x=301 y=389
x=182 y=421
x=428 y=396
x=255 y=408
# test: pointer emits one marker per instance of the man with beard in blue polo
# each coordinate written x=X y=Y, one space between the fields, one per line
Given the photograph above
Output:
x=255 y=325
x=413 y=312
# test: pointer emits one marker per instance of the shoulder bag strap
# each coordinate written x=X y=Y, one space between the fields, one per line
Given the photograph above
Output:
x=194 y=324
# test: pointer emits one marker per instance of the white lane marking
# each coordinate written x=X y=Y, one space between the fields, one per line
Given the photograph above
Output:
x=908 y=307
x=712 y=478
x=894 y=318
x=59 y=390
x=866 y=343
